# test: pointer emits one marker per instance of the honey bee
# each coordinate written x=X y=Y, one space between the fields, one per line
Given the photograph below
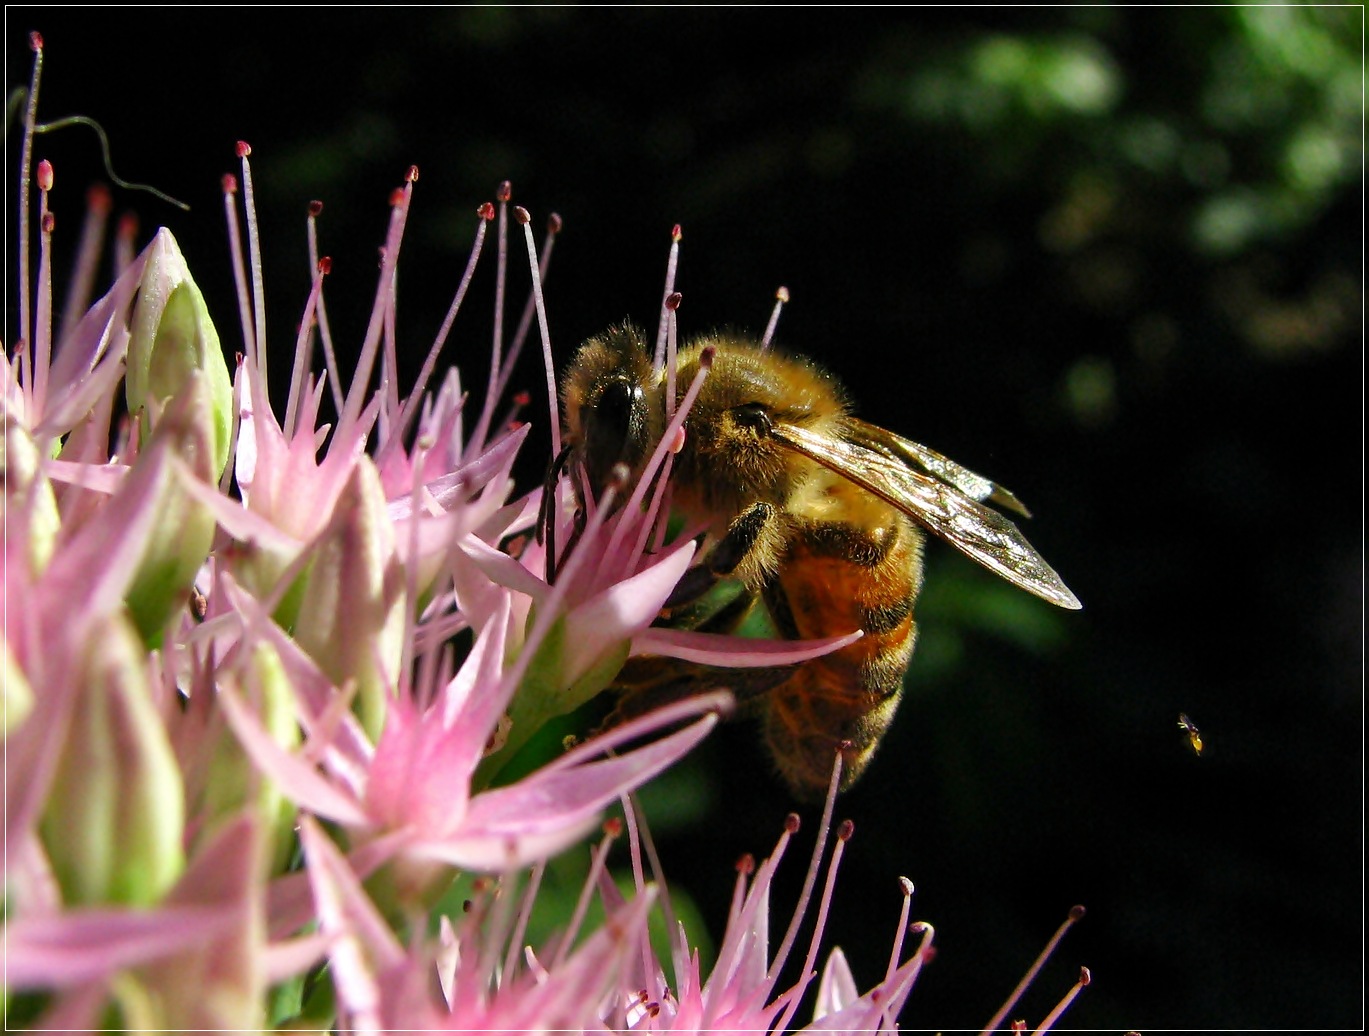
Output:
x=816 y=515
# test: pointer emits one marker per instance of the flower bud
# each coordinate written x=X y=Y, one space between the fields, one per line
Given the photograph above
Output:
x=16 y=696
x=229 y=782
x=351 y=618
x=178 y=543
x=113 y=821
x=28 y=507
x=171 y=338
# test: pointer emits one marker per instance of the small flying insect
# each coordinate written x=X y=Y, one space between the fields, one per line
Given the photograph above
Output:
x=817 y=516
x=1195 y=736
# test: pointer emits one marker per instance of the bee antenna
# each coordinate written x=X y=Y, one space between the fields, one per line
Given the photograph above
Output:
x=781 y=297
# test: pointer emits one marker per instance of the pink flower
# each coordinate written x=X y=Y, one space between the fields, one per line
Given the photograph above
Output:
x=240 y=740
x=411 y=792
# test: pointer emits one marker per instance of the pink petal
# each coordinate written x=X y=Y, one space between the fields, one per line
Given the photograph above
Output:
x=84 y=946
x=420 y=776
x=298 y=779
x=877 y=1009
x=621 y=611
x=550 y=798
x=100 y=478
x=289 y=900
x=314 y=690
x=553 y=808
x=82 y=346
x=734 y=652
x=837 y=988
x=475 y=699
x=719 y=702
x=340 y=901
x=343 y=904
x=243 y=524
x=90 y=573
x=502 y=569
x=284 y=960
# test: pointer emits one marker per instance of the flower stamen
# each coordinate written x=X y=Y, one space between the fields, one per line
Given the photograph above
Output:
x=781 y=297
x=658 y=361
x=1076 y=913
x=811 y=877
x=1085 y=977
x=554 y=225
x=254 y=251
x=844 y=832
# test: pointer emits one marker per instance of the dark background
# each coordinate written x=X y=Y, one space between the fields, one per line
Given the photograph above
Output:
x=1112 y=257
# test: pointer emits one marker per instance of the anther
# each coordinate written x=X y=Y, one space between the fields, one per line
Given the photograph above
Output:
x=315 y=208
x=486 y=210
x=522 y=215
x=242 y=149
x=504 y=191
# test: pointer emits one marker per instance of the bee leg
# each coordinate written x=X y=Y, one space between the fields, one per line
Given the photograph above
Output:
x=546 y=518
x=742 y=535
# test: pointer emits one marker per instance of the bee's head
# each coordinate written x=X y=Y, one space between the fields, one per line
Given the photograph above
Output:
x=613 y=415
x=731 y=457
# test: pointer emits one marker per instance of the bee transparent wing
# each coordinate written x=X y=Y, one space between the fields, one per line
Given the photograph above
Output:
x=944 y=508
x=970 y=483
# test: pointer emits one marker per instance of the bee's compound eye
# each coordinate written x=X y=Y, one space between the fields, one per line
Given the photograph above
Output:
x=754 y=416
x=616 y=406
